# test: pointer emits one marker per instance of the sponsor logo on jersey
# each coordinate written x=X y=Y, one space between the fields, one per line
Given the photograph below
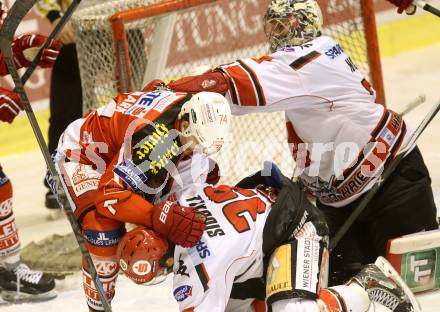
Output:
x=182 y=292
x=82 y=178
x=171 y=98
x=159 y=148
x=127 y=103
x=202 y=249
x=388 y=136
x=143 y=104
x=334 y=51
x=130 y=174
x=208 y=83
x=212 y=226
x=3 y=178
x=103 y=238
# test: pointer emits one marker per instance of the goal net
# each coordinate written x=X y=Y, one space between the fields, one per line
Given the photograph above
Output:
x=122 y=45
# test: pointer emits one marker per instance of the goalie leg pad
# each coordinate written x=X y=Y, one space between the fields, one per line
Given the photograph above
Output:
x=288 y=216
x=9 y=240
x=294 y=269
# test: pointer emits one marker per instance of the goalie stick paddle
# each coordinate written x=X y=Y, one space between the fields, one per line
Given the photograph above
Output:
x=10 y=25
x=427 y=7
x=387 y=173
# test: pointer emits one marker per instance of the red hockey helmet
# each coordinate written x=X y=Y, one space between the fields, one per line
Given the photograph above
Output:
x=141 y=253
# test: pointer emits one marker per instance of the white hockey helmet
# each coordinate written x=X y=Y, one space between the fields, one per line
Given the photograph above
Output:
x=292 y=22
x=209 y=117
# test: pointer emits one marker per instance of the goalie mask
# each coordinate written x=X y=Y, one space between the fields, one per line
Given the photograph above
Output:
x=144 y=256
x=292 y=22
x=209 y=117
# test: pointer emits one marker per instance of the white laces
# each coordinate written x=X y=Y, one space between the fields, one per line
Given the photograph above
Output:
x=23 y=273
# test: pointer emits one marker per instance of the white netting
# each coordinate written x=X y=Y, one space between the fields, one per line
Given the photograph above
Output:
x=210 y=34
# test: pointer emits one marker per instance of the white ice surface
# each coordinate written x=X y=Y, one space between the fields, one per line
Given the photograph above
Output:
x=406 y=76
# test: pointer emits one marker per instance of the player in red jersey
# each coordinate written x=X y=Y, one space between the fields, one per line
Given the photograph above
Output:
x=118 y=162
x=17 y=281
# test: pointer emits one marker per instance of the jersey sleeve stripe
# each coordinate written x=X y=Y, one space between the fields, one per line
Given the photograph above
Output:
x=391 y=131
x=203 y=275
x=304 y=60
x=233 y=87
x=257 y=86
x=242 y=84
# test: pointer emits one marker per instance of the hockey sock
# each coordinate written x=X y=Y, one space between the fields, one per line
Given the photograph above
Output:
x=9 y=241
x=107 y=269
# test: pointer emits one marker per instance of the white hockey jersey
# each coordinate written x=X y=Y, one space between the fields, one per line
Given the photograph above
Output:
x=204 y=275
x=339 y=137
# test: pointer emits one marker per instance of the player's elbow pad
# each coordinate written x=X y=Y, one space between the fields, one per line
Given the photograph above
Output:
x=213 y=81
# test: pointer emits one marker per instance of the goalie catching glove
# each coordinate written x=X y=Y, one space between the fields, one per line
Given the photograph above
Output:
x=26 y=47
x=183 y=226
x=10 y=105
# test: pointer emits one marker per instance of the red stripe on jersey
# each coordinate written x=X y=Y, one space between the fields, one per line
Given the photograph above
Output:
x=294 y=140
x=257 y=86
x=243 y=84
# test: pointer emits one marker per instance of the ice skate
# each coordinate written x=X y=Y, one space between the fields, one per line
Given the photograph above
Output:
x=21 y=284
x=384 y=286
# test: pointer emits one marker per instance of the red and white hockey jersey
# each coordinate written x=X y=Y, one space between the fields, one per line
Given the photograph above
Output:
x=119 y=158
x=229 y=251
x=339 y=137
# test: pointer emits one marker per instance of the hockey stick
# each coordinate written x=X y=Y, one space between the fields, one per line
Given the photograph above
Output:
x=427 y=7
x=413 y=104
x=370 y=194
x=10 y=25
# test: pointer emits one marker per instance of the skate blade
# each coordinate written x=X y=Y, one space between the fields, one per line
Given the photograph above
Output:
x=15 y=297
x=390 y=272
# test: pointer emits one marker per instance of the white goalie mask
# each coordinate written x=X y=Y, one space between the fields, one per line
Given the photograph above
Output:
x=209 y=117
